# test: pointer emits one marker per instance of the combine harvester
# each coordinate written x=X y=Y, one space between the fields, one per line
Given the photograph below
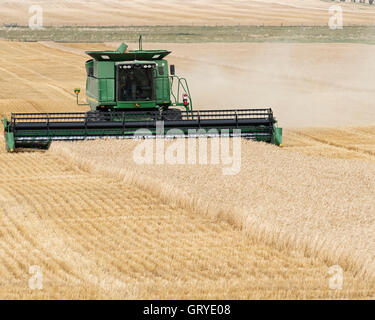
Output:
x=130 y=92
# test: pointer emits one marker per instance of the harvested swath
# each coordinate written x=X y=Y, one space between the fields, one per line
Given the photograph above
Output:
x=323 y=207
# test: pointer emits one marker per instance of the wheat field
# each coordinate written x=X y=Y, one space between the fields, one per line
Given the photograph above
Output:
x=100 y=226
x=99 y=236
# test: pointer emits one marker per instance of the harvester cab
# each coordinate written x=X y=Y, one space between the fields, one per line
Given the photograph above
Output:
x=138 y=80
x=133 y=94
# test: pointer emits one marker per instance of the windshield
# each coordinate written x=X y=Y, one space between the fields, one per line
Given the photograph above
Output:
x=135 y=83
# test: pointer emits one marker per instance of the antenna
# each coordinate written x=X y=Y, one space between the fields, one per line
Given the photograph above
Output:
x=140 y=42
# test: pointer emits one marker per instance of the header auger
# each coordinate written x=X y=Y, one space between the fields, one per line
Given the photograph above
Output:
x=134 y=94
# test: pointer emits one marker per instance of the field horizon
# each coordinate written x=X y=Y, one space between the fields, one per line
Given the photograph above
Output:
x=192 y=34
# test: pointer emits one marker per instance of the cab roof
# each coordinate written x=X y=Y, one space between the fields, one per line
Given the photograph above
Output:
x=128 y=56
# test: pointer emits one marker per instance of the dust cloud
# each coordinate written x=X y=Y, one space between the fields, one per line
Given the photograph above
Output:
x=305 y=84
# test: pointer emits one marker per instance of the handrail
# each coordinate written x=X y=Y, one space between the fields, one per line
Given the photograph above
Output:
x=181 y=83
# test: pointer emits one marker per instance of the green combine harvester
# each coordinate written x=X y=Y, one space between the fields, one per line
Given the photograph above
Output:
x=135 y=94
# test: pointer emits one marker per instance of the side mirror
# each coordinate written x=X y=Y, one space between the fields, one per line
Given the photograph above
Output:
x=172 y=71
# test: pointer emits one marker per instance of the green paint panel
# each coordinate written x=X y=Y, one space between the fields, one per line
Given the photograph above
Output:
x=162 y=83
x=9 y=137
x=9 y=141
x=162 y=91
x=135 y=104
x=104 y=69
x=277 y=137
x=106 y=90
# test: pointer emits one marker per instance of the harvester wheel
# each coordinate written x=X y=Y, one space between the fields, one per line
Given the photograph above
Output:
x=172 y=114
